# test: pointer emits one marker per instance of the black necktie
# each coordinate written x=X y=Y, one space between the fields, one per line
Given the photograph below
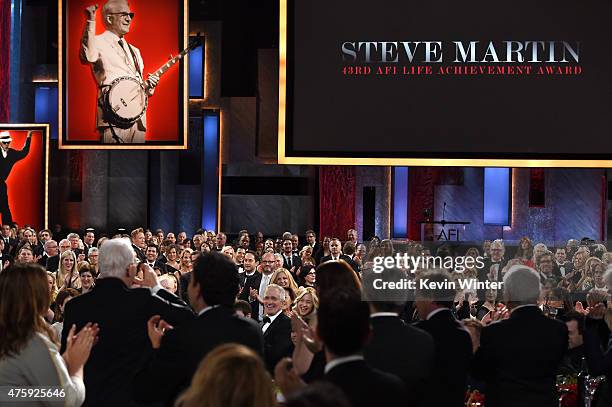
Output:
x=267 y=320
x=136 y=64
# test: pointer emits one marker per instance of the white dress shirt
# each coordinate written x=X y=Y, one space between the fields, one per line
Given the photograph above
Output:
x=265 y=326
x=338 y=361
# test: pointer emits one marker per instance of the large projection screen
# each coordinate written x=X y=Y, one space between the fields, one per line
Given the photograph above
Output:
x=445 y=82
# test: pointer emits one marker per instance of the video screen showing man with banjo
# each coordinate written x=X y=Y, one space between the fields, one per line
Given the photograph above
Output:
x=118 y=69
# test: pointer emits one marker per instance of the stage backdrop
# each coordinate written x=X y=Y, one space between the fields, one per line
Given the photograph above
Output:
x=445 y=79
x=157 y=30
x=27 y=181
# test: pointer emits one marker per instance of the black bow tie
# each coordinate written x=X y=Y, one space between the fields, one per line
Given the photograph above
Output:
x=267 y=320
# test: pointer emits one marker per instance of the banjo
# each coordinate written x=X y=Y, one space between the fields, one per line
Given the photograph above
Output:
x=126 y=99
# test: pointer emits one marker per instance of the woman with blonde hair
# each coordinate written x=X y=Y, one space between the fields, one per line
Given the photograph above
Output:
x=231 y=375
x=283 y=278
x=67 y=274
x=52 y=287
x=306 y=303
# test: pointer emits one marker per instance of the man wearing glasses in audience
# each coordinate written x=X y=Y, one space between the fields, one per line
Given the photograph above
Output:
x=111 y=57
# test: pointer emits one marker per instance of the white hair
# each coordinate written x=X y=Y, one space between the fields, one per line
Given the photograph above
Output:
x=48 y=242
x=114 y=257
x=92 y=250
x=72 y=236
x=64 y=241
x=278 y=256
x=522 y=285
x=281 y=291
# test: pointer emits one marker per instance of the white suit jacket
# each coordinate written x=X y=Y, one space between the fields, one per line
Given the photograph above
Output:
x=109 y=62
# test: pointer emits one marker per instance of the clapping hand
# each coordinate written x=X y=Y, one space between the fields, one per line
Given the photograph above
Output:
x=597 y=312
x=78 y=347
x=156 y=328
x=287 y=378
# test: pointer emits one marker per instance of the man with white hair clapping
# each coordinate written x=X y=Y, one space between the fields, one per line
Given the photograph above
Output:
x=121 y=313
x=518 y=357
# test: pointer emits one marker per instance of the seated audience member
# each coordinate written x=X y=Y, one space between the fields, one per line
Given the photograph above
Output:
x=172 y=262
x=25 y=254
x=152 y=259
x=67 y=275
x=63 y=297
x=212 y=291
x=52 y=288
x=49 y=259
x=309 y=274
x=242 y=308
x=344 y=328
x=29 y=353
x=231 y=375
x=276 y=326
x=395 y=347
x=452 y=343
x=123 y=313
x=518 y=357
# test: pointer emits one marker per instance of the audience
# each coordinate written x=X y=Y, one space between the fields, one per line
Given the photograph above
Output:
x=518 y=346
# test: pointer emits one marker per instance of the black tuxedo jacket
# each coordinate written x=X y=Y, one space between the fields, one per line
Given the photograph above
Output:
x=453 y=352
x=122 y=314
x=9 y=245
x=248 y=282
x=277 y=341
x=139 y=253
x=367 y=387
x=295 y=262
x=518 y=358
x=598 y=350
x=569 y=267
x=388 y=351
x=342 y=257
x=170 y=368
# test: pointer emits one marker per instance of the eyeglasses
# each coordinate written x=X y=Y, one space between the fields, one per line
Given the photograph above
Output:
x=124 y=15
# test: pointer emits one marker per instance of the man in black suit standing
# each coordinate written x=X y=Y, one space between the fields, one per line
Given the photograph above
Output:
x=123 y=313
x=276 y=327
x=344 y=328
x=453 y=345
x=562 y=266
x=335 y=250
x=50 y=257
x=291 y=261
x=394 y=346
x=212 y=290
x=9 y=242
x=518 y=357
x=311 y=240
x=138 y=243
x=250 y=280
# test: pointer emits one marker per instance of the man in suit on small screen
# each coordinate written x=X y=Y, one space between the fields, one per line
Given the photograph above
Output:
x=8 y=159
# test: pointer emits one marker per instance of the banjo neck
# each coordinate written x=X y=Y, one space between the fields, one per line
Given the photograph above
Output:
x=172 y=61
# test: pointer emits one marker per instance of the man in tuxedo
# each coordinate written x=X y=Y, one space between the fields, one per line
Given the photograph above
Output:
x=518 y=357
x=29 y=235
x=250 y=280
x=387 y=350
x=64 y=245
x=276 y=327
x=151 y=258
x=344 y=328
x=267 y=269
x=50 y=257
x=493 y=266
x=88 y=239
x=123 y=313
x=212 y=290
x=9 y=242
x=5 y=259
x=295 y=244
x=545 y=266
x=291 y=261
x=562 y=266
x=44 y=235
x=453 y=345
x=221 y=240
x=335 y=250
x=351 y=236
x=311 y=240
x=138 y=243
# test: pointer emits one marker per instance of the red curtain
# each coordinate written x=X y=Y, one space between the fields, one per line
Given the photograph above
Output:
x=421 y=182
x=5 y=50
x=336 y=200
